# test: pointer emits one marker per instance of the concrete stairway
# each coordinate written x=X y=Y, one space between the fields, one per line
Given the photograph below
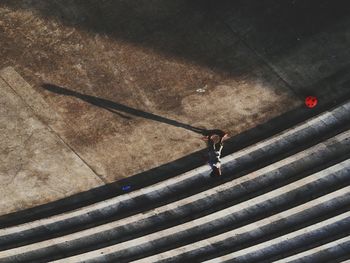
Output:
x=293 y=209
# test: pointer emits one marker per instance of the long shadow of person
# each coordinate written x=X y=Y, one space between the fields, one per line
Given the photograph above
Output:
x=117 y=108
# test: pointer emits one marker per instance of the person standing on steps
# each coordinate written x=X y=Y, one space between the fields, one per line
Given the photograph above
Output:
x=215 y=144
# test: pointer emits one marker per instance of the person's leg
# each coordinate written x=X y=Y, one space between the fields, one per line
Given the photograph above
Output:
x=217 y=169
x=218 y=172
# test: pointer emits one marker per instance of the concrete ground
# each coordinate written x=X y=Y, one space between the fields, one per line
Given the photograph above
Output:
x=125 y=86
x=35 y=163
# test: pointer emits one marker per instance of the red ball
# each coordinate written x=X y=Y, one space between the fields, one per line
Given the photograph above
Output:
x=311 y=101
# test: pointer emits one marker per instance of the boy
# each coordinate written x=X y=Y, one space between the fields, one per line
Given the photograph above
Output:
x=215 y=145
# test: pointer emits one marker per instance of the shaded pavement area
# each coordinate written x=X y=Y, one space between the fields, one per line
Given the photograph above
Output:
x=130 y=86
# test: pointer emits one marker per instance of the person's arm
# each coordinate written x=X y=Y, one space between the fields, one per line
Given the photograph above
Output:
x=223 y=138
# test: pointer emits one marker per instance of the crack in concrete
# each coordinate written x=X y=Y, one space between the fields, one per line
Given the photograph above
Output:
x=27 y=139
x=16 y=172
x=20 y=161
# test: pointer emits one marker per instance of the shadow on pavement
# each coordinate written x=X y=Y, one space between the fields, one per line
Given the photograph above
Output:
x=196 y=30
x=115 y=107
x=171 y=169
x=193 y=30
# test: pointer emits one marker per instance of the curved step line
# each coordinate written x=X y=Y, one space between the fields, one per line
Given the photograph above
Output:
x=255 y=226
x=268 y=197
x=47 y=221
x=145 y=215
x=314 y=250
x=204 y=244
x=185 y=201
x=169 y=182
x=280 y=239
x=203 y=169
x=241 y=230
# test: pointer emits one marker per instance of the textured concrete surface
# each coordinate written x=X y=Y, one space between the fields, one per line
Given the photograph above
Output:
x=129 y=85
x=304 y=42
x=36 y=165
x=117 y=137
x=301 y=197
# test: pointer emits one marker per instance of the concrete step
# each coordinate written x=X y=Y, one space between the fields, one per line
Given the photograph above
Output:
x=249 y=210
x=325 y=253
x=235 y=218
x=270 y=190
x=301 y=239
x=320 y=153
x=258 y=231
x=172 y=189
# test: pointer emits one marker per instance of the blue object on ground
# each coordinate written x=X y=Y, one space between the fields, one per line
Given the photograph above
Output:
x=126 y=187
